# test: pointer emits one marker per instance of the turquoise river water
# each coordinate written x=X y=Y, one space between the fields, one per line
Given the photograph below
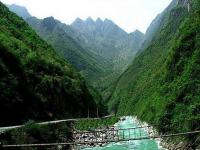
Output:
x=145 y=144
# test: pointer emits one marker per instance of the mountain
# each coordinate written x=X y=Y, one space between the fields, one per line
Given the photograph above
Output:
x=141 y=68
x=20 y=11
x=82 y=59
x=128 y=47
x=161 y=86
x=109 y=41
x=99 y=50
x=102 y=36
x=36 y=83
x=100 y=55
x=156 y=26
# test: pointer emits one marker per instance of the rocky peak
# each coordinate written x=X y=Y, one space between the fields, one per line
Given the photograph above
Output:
x=109 y=22
x=99 y=22
x=137 y=32
x=50 y=23
x=77 y=22
x=89 y=19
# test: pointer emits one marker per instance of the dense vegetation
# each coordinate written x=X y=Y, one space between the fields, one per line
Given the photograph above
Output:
x=32 y=133
x=162 y=85
x=99 y=50
x=110 y=42
x=89 y=124
x=82 y=59
x=36 y=83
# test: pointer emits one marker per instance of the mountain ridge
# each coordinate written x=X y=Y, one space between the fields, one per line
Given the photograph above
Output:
x=161 y=86
x=36 y=83
x=19 y=10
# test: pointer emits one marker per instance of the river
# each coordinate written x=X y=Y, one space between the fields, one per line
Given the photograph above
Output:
x=146 y=144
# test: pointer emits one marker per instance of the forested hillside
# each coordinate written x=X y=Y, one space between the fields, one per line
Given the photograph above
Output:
x=162 y=84
x=82 y=59
x=109 y=41
x=36 y=83
x=99 y=50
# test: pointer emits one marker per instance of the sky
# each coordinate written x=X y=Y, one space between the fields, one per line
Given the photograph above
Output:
x=127 y=14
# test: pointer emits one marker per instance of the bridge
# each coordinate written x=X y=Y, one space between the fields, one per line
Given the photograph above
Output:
x=103 y=136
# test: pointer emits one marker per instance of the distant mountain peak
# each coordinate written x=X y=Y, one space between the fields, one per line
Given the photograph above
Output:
x=89 y=20
x=78 y=22
x=19 y=10
x=138 y=32
x=50 y=23
x=50 y=18
x=106 y=20
x=99 y=22
x=78 y=19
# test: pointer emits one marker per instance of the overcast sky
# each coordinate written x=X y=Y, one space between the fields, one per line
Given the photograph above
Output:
x=127 y=14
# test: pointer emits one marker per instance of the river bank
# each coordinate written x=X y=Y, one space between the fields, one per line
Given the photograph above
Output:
x=95 y=137
x=171 y=143
x=125 y=123
x=136 y=129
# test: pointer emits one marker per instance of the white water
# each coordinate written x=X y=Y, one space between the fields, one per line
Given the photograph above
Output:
x=145 y=144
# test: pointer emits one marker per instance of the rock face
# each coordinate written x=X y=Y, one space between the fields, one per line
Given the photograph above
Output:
x=105 y=36
x=49 y=23
x=185 y=3
x=109 y=41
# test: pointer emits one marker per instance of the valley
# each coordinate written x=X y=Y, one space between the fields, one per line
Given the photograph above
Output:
x=51 y=70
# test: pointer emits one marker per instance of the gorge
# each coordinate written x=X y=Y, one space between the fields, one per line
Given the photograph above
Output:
x=52 y=71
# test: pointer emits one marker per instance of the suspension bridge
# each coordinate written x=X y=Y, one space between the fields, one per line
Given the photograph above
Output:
x=105 y=135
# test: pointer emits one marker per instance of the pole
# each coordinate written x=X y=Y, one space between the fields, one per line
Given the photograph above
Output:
x=88 y=113
x=97 y=113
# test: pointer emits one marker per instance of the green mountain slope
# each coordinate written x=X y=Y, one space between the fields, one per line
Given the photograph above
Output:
x=109 y=41
x=99 y=50
x=94 y=48
x=136 y=76
x=83 y=60
x=162 y=85
x=35 y=83
x=162 y=76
